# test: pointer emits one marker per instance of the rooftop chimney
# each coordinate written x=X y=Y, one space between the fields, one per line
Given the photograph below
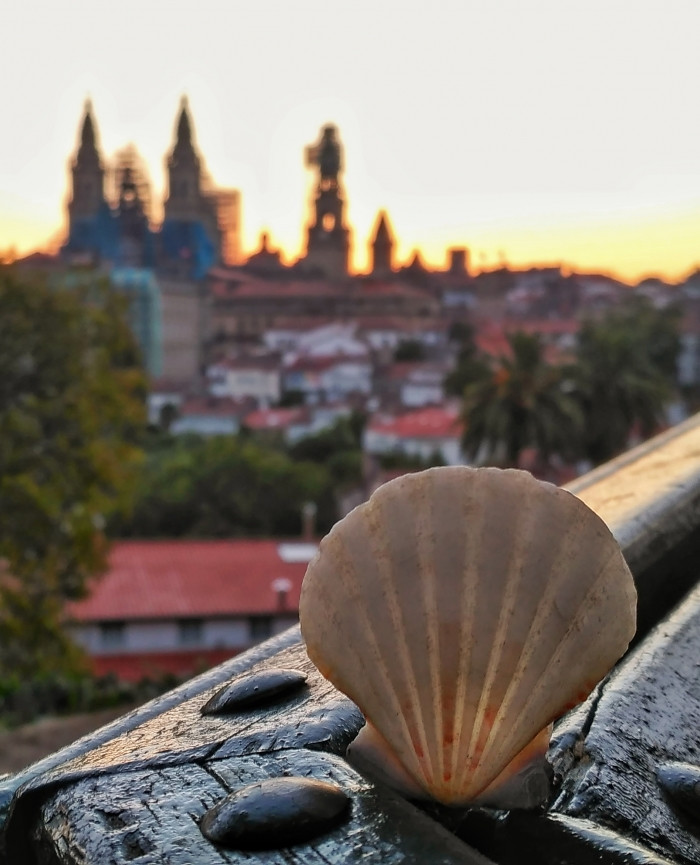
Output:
x=308 y=521
x=281 y=587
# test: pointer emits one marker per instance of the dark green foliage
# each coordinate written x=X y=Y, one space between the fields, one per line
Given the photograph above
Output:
x=624 y=375
x=403 y=461
x=519 y=403
x=72 y=411
x=291 y=398
x=409 y=349
x=338 y=448
x=471 y=366
x=224 y=487
x=23 y=700
x=620 y=381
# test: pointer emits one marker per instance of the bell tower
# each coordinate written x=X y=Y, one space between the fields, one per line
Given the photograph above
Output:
x=87 y=175
x=328 y=241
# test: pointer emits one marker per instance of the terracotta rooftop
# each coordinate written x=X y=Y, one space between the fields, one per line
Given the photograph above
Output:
x=274 y=418
x=434 y=422
x=194 y=579
x=318 y=363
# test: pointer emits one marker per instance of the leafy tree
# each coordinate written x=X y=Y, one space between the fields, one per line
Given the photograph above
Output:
x=470 y=366
x=72 y=410
x=399 y=460
x=338 y=448
x=225 y=486
x=519 y=402
x=409 y=349
x=624 y=375
x=291 y=398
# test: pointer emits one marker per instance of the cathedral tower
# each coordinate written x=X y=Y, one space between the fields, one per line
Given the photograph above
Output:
x=328 y=242
x=184 y=172
x=382 y=247
x=87 y=176
x=191 y=236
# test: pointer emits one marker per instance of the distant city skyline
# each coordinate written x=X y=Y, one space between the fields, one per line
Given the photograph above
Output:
x=542 y=133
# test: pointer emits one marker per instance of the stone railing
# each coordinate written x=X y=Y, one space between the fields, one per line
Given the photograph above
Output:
x=626 y=763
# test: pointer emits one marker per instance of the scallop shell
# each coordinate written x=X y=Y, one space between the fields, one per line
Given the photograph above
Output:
x=463 y=610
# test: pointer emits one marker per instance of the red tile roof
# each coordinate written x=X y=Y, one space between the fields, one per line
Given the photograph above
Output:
x=274 y=418
x=321 y=362
x=194 y=579
x=433 y=422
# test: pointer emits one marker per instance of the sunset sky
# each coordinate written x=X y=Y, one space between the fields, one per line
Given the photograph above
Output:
x=548 y=131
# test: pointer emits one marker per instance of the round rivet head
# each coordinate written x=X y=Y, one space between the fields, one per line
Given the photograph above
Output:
x=275 y=813
x=254 y=690
x=681 y=783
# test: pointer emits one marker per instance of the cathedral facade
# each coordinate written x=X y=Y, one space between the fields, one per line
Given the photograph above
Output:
x=109 y=208
x=110 y=220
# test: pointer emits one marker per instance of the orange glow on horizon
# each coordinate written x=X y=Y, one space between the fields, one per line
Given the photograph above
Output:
x=526 y=133
x=665 y=246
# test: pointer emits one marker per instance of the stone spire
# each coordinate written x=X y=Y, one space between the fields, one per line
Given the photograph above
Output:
x=184 y=172
x=87 y=172
x=183 y=136
x=87 y=135
x=382 y=246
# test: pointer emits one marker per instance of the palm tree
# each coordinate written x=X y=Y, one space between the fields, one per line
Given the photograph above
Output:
x=519 y=402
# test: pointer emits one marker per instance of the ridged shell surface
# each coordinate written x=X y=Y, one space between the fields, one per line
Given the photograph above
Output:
x=463 y=610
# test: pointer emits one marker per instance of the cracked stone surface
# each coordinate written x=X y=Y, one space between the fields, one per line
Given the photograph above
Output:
x=645 y=715
x=152 y=816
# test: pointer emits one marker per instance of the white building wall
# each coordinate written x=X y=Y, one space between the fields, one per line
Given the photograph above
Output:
x=225 y=633
x=422 y=448
x=140 y=637
x=374 y=442
x=346 y=378
x=257 y=383
x=416 y=395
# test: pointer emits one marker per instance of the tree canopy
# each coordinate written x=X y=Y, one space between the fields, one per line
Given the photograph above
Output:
x=72 y=410
x=225 y=486
x=625 y=375
x=518 y=402
x=619 y=382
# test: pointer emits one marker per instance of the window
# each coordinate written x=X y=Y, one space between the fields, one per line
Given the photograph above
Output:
x=190 y=632
x=260 y=628
x=328 y=222
x=112 y=635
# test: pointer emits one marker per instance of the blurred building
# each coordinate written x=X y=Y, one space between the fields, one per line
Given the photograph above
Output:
x=178 y=606
x=327 y=236
x=109 y=215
